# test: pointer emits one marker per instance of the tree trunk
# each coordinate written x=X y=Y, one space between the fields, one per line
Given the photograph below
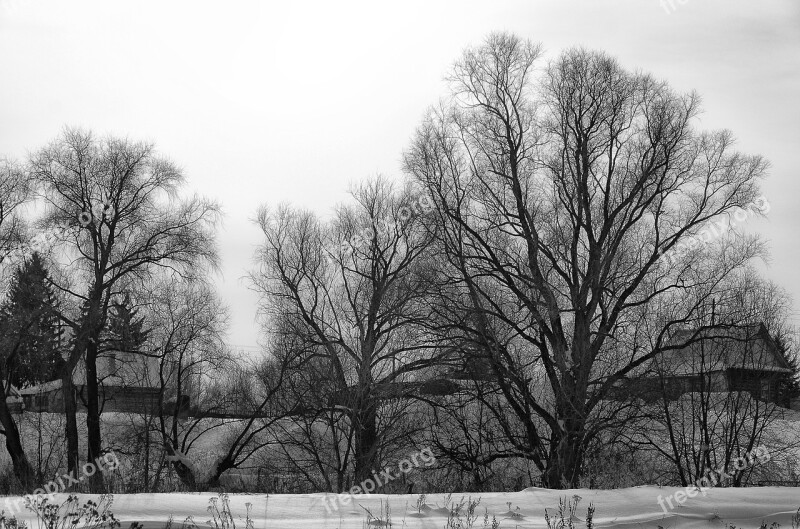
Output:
x=71 y=422
x=95 y=447
x=185 y=472
x=22 y=467
x=146 y=478
x=222 y=466
x=563 y=469
x=69 y=395
x=366 y=441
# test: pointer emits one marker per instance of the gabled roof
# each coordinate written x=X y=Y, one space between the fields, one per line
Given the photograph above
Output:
x=719 y=349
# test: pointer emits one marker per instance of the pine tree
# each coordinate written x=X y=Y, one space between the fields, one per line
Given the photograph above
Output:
x=30 y=333
x=125 y=328
x=790 y=383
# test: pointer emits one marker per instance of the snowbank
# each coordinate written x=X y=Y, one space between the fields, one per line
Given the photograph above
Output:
x=633 y=507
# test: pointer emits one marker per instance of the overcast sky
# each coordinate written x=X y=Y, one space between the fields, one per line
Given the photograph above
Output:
x=271 y=102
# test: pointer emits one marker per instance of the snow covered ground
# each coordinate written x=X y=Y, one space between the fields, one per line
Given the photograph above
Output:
x=634 y=507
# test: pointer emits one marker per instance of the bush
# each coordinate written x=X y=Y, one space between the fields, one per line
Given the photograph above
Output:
x=71 y=513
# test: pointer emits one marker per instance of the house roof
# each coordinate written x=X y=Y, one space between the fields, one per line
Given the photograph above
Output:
x=719 y=349
x=41 y=388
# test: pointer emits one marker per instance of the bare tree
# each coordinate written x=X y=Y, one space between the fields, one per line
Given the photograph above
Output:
x=205 y=389
x=188 y=323
x=557 y=197
x=316 y=443
x=717 y=400
x=261 y=407
x=353 y=290
x=123 y=198
x=14 y=193
x=466 y=437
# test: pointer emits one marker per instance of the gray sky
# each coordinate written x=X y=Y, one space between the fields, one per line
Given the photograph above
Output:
x=271 y=102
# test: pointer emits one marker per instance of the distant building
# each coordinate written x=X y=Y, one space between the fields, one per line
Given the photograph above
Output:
x=741 y=359
x=129 y=382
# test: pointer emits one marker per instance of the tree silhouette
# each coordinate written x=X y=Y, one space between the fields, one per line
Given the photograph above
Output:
x=30 y=327
x=790 y=384
x=123 y=199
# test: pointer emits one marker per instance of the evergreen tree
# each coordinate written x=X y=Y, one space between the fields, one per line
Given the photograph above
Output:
x=790 y=383
x=126 y=332
x=29 y=328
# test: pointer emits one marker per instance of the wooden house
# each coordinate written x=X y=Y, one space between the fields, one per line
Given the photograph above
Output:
x=128 y=383
x=739 y=359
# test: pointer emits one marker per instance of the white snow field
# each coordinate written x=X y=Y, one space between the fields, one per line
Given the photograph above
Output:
x=634 y=507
